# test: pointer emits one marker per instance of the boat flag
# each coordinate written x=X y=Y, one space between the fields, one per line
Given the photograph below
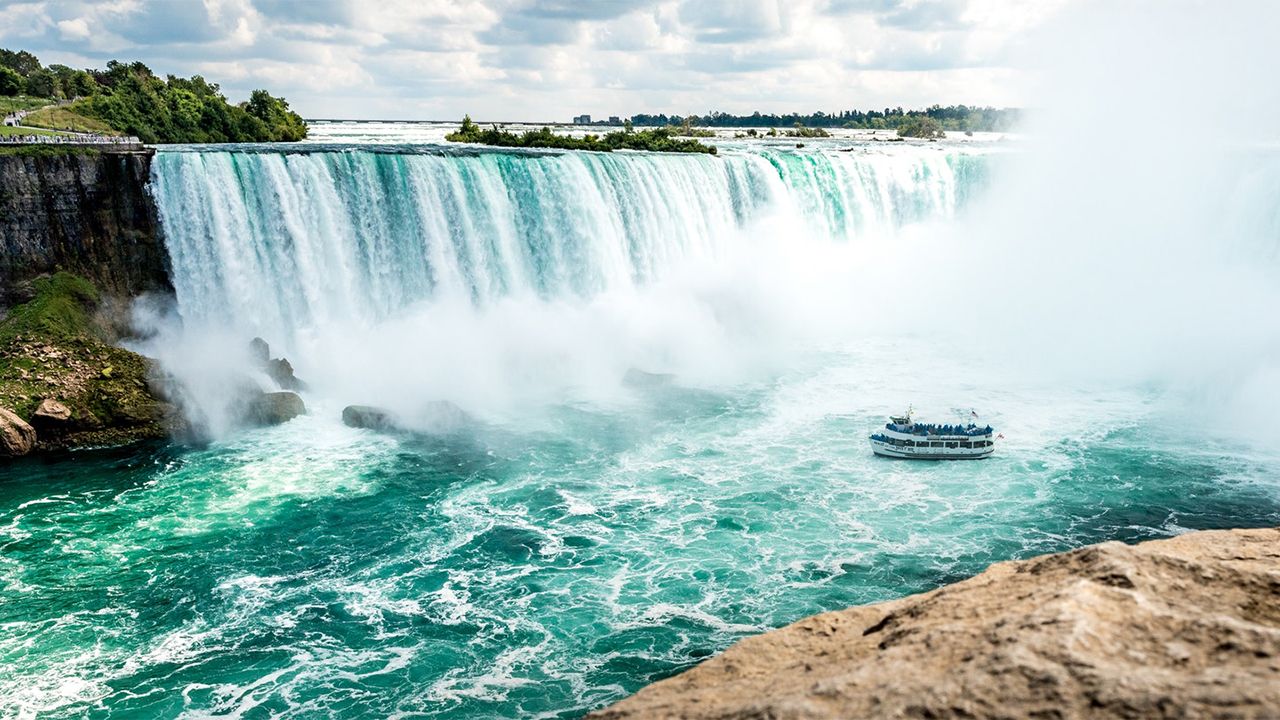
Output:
x=999 y=436
x=973 y=414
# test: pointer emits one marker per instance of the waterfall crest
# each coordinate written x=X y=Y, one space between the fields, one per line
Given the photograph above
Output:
x=284 y=241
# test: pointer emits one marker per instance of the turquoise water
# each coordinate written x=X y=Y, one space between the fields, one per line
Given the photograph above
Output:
x=577 y=536
x=545 y=569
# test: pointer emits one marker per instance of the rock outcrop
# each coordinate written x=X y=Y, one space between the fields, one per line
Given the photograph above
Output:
x=62 y=372
x=369 y=418
x=274 y=408
x=17 y=438
x=280 y=370
x=51 y=413
x=1182 y=628
x=637 y=378
x=82 y=210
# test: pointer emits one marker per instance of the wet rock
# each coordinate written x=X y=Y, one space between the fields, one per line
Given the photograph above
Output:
x=259 y=351
x=369 y=417
x=640 y=379
x=442 y=416
x=281 y=371
x=1187 y=627
x=50 y=413
x=17 y=438
x=274 y=408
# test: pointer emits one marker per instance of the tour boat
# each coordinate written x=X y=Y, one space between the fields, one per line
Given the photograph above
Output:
x=903 y=437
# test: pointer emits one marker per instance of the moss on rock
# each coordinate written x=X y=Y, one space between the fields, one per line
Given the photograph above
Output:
x=52 y=347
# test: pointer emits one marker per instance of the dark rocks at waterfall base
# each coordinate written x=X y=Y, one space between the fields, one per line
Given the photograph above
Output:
x=637 y=378
x=259 y=351
x=437 y=417
x=369 y=417
x=275 y=408
x=280 y=370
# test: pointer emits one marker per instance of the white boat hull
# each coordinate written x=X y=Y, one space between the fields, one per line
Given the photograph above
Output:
x=885 y=449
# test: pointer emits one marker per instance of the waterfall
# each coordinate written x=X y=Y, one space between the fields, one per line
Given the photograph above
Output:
x=286 y=240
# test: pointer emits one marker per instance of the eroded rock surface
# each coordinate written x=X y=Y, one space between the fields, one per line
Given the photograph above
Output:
x=1182 y=628
x=274 y=408
x=17 y=438
x=369 y=417
x=51 y=412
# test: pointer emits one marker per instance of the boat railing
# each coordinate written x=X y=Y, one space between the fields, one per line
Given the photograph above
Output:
x=970 y=430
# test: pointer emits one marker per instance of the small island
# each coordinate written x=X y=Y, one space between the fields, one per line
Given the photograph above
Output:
x=654 y=140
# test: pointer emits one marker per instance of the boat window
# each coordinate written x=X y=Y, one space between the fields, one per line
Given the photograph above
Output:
x=935 y=444
x=965 y=444
x=951 y=444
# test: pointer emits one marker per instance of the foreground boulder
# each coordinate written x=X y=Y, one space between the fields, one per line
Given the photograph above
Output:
x=17 y=438
x=1181 y=628
x=274 y=408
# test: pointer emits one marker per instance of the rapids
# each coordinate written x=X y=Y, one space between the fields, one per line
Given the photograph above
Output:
x=580 y=536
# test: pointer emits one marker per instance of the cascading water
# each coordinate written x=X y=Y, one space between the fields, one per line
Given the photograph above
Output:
x=285 y=241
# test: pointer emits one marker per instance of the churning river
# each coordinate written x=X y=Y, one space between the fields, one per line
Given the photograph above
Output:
x=666 y=366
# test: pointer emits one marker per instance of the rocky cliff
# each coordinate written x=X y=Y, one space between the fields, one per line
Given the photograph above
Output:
x=83 y=210
x=1181 y=628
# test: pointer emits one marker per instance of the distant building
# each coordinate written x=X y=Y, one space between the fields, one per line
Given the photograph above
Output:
x=615 y=120
x=582 y=120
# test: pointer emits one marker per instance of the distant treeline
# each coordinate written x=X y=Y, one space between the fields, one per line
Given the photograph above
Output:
x=952 y=117
x=131 y=99
x=658 y=140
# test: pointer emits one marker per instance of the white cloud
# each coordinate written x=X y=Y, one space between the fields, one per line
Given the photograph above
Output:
x=549 y=59
x=77 y=29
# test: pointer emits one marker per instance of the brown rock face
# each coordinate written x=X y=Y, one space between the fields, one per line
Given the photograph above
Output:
x=87 y=212
x=16 y=436
x=1181 y=628
x=51 y=412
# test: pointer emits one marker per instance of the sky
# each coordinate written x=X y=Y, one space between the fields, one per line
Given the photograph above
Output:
x=548 y=60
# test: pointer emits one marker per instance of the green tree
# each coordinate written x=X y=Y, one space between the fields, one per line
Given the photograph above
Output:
x=21 y=62
x=10 y=81
x=921 y=126
x=282 y=124
x=42 y=83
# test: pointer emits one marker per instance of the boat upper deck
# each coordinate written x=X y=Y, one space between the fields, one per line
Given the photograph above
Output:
x=932 y=430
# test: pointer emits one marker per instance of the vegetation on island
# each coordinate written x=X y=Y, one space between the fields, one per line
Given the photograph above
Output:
x=657 y=140
x=128 y=98
x=686 y=129
x=801 y=131
x=921 y=127
x=959 y=118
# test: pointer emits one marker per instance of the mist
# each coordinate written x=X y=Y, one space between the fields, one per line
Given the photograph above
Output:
x=1134 y=236
x=1128 y=238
